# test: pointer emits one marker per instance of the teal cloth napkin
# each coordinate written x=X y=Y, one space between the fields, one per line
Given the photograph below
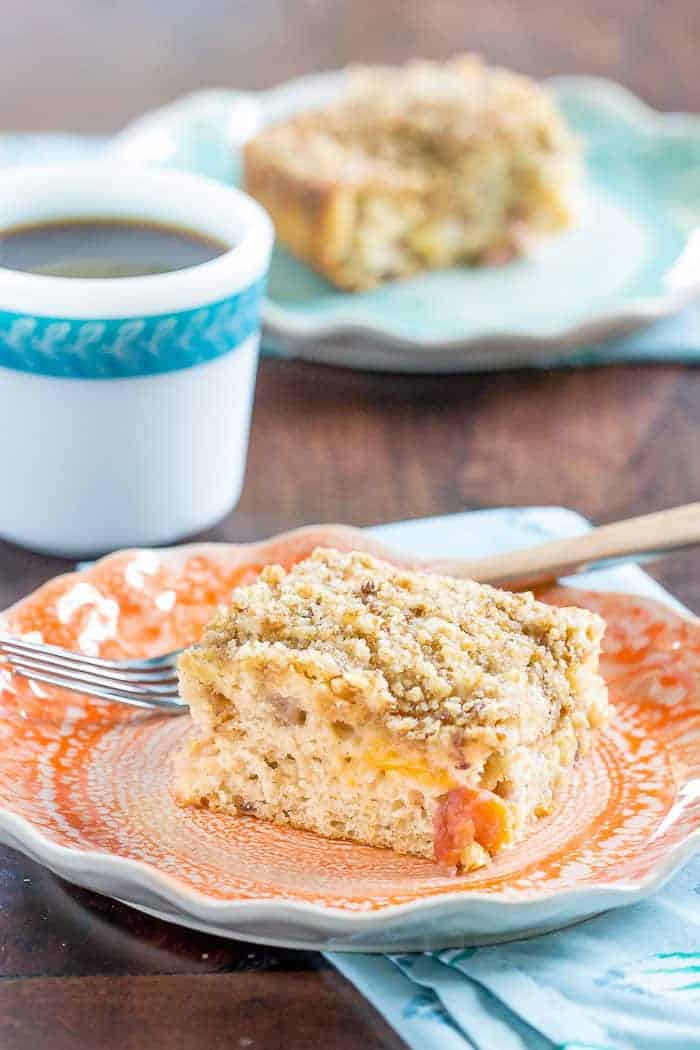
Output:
x=625 y=980
x=674 y=339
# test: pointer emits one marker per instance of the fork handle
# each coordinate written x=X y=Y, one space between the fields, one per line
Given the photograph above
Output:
x=651 y=534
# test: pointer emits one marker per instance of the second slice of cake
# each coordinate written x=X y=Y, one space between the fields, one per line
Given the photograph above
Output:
x=427 y=714
x=418 y=167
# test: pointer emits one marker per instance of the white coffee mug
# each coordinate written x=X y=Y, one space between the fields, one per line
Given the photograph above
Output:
x=125 y=402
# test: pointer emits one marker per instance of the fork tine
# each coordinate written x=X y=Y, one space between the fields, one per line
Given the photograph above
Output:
x=155 y=666
x=93 y=677
x=66 y=660
x=169 y=706
x=151 y=663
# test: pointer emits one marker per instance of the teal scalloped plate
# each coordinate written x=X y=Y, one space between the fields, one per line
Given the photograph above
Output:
x=633 y=257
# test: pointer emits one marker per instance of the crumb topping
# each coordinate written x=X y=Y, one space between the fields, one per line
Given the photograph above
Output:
x=404 y=124
x=423 y=651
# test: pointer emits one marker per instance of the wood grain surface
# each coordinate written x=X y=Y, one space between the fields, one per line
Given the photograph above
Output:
x=80 y=970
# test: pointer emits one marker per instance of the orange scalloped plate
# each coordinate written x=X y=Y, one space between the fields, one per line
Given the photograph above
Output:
x=85 y=786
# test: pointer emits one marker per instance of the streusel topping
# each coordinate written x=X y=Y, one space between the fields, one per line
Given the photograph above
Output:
x=406 y=123
x=423 y=651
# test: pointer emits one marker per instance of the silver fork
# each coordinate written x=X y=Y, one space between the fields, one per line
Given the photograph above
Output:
x=148 y=683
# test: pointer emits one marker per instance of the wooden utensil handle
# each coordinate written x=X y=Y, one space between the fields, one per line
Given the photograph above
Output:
x=662 y=532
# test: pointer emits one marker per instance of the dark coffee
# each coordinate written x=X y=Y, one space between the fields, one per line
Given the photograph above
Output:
x=104 y=248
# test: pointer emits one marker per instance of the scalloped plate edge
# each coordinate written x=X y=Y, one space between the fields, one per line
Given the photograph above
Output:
x=481 y=918
x=316 y=926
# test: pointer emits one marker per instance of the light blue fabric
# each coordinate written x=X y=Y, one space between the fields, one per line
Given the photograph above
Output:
x=674 y=339
x=625 y=980
x=48 y=147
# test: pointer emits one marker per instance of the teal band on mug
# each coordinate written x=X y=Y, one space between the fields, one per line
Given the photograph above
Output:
x=123 y=347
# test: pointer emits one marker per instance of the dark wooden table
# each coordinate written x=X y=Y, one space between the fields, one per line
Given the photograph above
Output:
x=83 y=971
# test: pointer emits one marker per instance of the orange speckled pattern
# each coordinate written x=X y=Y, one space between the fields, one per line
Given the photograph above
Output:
x=94 y=776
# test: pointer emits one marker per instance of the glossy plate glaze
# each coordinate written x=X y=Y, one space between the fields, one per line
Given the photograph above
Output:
x=632 y=258
x=85 y=787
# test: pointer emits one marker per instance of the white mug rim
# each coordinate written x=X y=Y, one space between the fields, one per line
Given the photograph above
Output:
x=64 y=297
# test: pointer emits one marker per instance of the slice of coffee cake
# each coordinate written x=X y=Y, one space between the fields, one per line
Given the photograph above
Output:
x=348 y=697
x=417 y=167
